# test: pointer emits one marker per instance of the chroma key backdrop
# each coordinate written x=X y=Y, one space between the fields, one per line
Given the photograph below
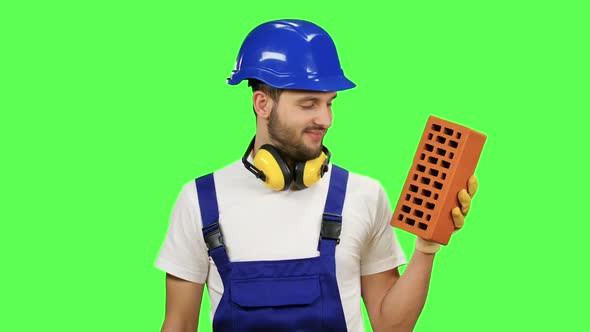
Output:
x=108 y=108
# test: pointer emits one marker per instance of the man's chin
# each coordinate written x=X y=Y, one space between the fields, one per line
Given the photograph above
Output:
x=309 y=155
x=316 y=153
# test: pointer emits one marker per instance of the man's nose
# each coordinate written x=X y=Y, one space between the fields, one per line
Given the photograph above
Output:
x=324 y=116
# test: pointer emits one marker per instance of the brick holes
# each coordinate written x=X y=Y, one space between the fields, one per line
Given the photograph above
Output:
x=425 y=180
x=421 y=168
x=441 y=152
x=453 y=144
x=422 y=156
x=435 y=127
x=426 y=192
x=448 y=131
x=415 y=212
x=445 y=164
x=429 y=147
x=438 y=185
x=430 y=205
x=413 y=188
x=433 y=160
x=433 y=172
x=422 y=226
x=441 y=139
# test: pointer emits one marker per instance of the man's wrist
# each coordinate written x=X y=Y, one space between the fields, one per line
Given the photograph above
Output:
x=426 y=247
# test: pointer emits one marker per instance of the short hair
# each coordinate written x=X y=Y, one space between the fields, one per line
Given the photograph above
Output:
x=272 y=92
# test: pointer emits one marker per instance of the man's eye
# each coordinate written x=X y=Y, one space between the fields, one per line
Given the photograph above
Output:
x=312 y=106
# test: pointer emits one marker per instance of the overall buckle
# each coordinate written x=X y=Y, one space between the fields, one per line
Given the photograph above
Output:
x=213 y=239
x=331 y=227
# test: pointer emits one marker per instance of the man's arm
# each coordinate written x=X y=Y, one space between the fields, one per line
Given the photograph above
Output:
x=394 y=303
x=183 y=303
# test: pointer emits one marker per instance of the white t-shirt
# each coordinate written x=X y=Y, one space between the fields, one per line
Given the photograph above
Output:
x=258 y=223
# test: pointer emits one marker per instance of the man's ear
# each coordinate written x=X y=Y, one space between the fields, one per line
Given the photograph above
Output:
x=262 y=104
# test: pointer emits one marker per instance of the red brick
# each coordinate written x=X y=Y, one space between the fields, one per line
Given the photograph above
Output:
x=445 y=159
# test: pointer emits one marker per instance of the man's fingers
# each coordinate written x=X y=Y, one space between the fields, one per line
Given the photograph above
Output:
x=472 y=185
x=464 y=197
x=464 y=200
x=458 y=217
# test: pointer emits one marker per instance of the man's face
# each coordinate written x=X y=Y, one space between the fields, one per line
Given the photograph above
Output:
x=298 y=123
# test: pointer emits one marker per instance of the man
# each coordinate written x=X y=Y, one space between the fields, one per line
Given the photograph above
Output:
x=297 y=253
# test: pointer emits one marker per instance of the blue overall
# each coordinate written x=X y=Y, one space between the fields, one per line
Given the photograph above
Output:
x=283 y=295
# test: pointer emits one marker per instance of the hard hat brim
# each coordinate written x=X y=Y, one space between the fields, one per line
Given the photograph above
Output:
x=302 y=82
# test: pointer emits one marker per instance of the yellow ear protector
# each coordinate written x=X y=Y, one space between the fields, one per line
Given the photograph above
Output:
x=270 y=166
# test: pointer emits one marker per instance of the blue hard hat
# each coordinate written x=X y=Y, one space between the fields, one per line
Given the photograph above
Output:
x=290 y=54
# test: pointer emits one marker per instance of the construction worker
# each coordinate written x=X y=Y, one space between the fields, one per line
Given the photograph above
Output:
x=285 y=240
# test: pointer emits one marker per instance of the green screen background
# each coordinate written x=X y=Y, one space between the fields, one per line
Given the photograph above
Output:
x=108 y=107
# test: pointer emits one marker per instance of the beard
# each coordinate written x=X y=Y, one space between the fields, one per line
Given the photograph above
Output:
x=289 y=140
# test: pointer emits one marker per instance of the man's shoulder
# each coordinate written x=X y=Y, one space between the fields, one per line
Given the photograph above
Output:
x=361 y=179
x=231 y=170
x=361 y=183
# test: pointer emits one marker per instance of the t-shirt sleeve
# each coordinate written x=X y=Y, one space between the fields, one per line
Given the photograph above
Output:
x=382 y=251
x=184 y=253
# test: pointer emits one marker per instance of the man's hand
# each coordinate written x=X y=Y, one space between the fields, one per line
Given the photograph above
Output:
x=465 y=197
x=458 y=213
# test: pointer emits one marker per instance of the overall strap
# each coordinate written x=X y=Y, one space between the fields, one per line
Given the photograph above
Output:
x=210 y=218
x=332 y=217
